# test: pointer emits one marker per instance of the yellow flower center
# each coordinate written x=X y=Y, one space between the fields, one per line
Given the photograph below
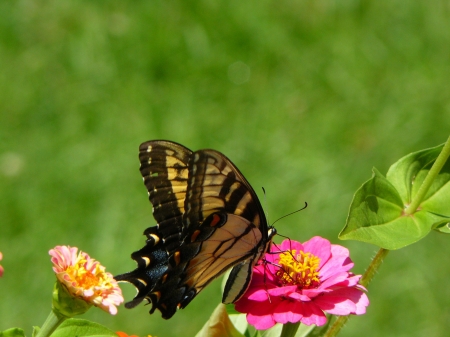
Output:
x=299 y=269
x=88 y=280
x=84 y=278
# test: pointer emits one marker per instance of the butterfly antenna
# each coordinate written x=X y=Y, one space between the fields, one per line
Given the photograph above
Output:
x=301 y=209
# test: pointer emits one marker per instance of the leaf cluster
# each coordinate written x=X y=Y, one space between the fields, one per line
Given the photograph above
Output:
x=380 y=211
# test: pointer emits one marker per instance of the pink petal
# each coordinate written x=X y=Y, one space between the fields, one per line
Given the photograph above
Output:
x=263 y=277
x=262 y=322
x=339 y=261
x=312 y=293
x=362 y=304
x=299 y=297
x=271 y=258
x=259 y=315
x=312 y=314
x=288 y=311
x=259 y=295
x=335 y=305
x=1 y=268
x=88 y=292
x=280 y=291
x=319 y=247
x=243 y=305
x=334 y=280
x=356 y=296
x=353 y=280
x=343 y=301
x=287 y=245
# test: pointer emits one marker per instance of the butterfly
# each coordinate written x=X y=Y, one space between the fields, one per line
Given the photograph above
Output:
x=209 y=219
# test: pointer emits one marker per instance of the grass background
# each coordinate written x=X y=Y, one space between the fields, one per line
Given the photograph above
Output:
x=305 y=97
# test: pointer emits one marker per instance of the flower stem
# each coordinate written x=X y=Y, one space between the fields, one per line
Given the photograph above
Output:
x=289 y=329
x=373 y=267
x=337 y=326
x=434 y=171
x=365 y=280
x=51 y=323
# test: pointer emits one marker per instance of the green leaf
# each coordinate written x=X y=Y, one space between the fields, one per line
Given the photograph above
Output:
x=375 y=207
x=13 y=332
x=80 y=328
x=231 y=310
x=239 y=321
x=219 y=325
x=408 y=174
x=305 y=330
x=377 y=211
x=36 y=330
x=445 y=228
x=275 y=331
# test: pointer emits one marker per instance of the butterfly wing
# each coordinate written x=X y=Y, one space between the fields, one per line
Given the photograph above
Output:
x=240 y=276
x=209 y=219
x=165 y=171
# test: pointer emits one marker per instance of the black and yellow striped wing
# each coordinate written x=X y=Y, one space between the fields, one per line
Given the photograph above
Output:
x=208 y=220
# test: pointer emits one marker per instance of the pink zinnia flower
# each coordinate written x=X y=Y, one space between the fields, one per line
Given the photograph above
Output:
x=300 y=283
x=85 y=278
x=1 y=268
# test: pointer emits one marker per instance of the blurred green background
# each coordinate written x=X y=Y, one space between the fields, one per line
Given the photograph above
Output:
x=305 y=97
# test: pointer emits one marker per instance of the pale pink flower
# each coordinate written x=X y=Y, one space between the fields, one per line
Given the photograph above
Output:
x=85 y=278
x=300 y=283
x=1 y=268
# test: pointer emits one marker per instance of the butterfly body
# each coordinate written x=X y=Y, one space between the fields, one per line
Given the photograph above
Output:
x=209 y=219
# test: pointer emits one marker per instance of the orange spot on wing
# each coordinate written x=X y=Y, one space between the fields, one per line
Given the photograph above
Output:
x=176 y=257
x=157 y=294
x=215 y=220
x=194 y=235
x=164 y=278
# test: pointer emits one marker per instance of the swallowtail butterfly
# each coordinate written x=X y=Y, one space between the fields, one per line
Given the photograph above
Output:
x=209 y=219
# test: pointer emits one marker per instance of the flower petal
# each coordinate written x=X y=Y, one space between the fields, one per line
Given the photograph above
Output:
x=334 y=280
x=1 y=268
x=312 y=314
x=259 y=295
x=339 y=262
x=288 y=311
x=319 y=247
x=287 y=245
x=260 y=316
x=282 y=291
x=344 y=301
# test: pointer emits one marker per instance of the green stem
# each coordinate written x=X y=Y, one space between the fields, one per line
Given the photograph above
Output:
x=365 y=280
x=373 y=267
x=289 y=329
x=51 y=323
x=337 y=326
x=434 y=171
